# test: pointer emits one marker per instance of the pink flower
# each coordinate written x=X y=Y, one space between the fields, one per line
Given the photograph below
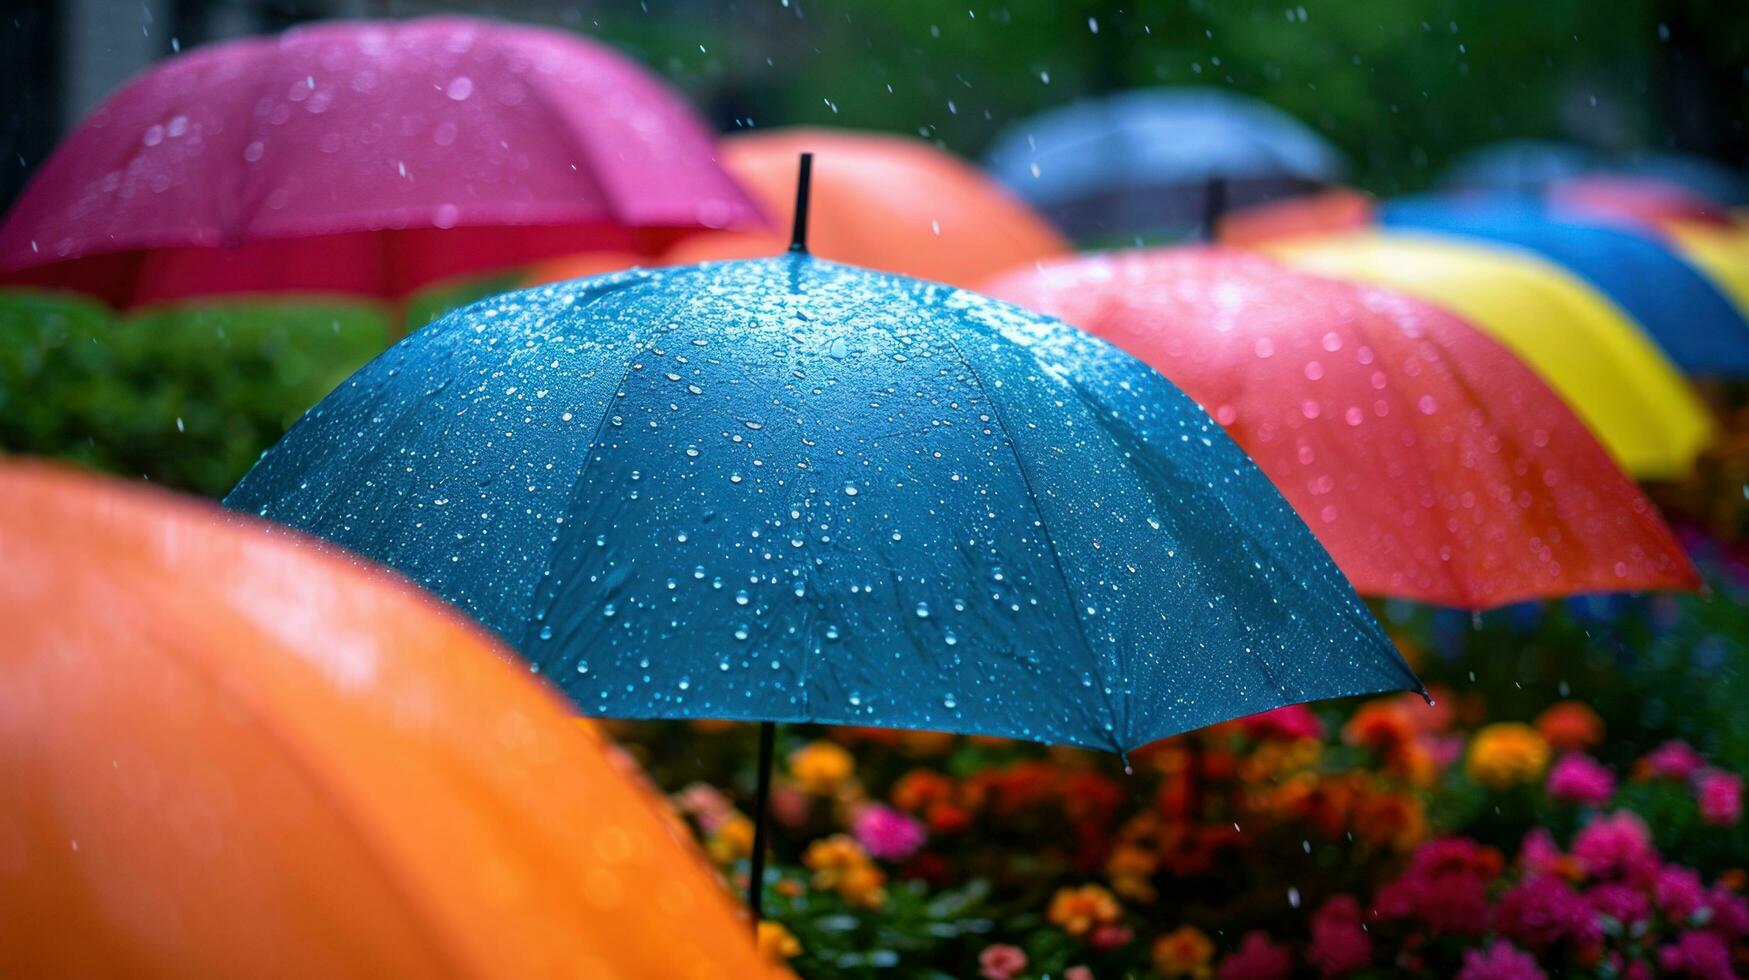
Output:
x=1078 y=973
x=1578 y=778
x=1296 y=721
x=706 y=804
x=1257 y=958
x=1001 y=961
x=1678 y=892
x=886 y=833
x=1675 y=759
x=1721 y=797
x=1616 y=845
x=1542 y=911
x=1730 y=912
x=1538 y=853
x=1445 y=887
x=1620 y=902
x=1499 y=962
x=1702 y=955
x=1339 y=945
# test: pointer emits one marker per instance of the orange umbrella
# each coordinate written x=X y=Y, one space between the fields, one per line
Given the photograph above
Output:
x=225 y=753
x=886 y=202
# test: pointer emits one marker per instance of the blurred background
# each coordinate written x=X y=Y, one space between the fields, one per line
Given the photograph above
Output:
x=1403 y=87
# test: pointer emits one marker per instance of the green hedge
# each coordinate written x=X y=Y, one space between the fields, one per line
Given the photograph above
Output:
x=184 y=398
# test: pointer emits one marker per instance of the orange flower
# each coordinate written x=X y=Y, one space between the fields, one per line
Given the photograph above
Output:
x=1570 y=726
x=1394 y=820
x=920 y=788
x=821 y=767
x=1381 y=725
x=927 y=743
x=1184 y=952
x=841 y=865
x=1131 y=870
x=1078 y=911
x=776 y=942
x=732 y=841
x=1507 y=754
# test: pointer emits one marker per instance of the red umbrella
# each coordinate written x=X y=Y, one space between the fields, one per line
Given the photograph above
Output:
x=1430 y=462
x=366 y=158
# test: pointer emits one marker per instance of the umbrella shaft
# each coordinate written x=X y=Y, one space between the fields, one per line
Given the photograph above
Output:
x=761 y=822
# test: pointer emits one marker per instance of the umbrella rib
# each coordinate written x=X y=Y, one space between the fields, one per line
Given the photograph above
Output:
x=617 y=285
x=1120 y=726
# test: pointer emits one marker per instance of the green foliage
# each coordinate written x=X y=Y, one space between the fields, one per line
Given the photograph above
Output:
x=1401 y=86
x=184 y=398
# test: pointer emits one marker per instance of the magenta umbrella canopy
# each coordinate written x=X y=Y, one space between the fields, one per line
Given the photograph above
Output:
x=366 y=157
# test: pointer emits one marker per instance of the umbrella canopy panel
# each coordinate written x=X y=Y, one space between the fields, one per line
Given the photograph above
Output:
x=891 y=203
x=790 y=490
x=1141 y=161
x=230 y=753
x=1431 y=463
x=1636 y=402
x=1687 y=314
x=368 y=158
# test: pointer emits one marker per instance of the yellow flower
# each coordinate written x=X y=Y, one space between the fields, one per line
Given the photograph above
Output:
x=1507 y=754
x=732 y=841
x=821 y=767
x=1184 y=952
x=1078 y=911
x=776 y=942
x=841 y=865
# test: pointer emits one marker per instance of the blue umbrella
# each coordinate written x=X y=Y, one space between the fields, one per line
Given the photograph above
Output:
x=1529 y=165
x=790 y=490
x=1696 y=324
x=1148 y=160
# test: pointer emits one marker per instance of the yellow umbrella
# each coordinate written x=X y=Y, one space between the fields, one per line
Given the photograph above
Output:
x=1636 y=401
x=1719 y=251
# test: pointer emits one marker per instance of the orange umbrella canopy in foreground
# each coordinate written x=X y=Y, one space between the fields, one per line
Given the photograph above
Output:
x=230 y=753
x=886 y=202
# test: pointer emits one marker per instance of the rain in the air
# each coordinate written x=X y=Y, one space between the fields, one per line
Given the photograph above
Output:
x=834 y=488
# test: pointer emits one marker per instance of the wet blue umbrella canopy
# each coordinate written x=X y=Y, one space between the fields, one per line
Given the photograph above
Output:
x=790 y=490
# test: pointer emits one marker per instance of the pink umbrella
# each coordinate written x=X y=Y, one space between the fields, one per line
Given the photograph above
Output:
x=366 y=158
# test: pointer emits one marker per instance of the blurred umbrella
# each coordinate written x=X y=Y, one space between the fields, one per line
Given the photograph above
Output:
x=1521 y=165
x=1431 y=463
x=366 y=158
x=1636 y=201
x=1636 y=402
x=1531 y=165
x=1701 y=231
x=1683 y=311
x=891 y=203
x=224 y=753
x=791 y=490
x=1720 y=252
x=1147 y=161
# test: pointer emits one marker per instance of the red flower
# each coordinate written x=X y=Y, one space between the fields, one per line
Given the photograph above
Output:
x=1296 y=721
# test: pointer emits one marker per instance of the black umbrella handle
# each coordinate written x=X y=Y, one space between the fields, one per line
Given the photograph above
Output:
x=762 y=795
x=798 y=237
